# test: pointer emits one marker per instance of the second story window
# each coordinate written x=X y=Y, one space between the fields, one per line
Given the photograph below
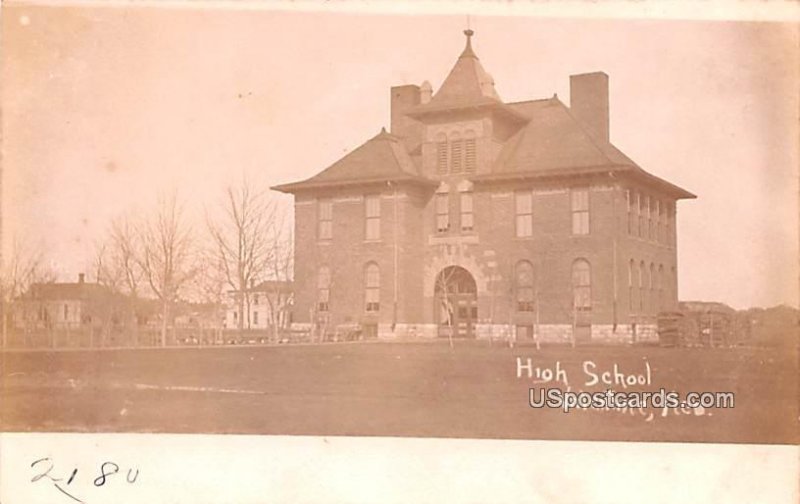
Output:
x=442 y=212
x=580 y=211
x=642 y=222
x=657 y=225
x=649 y=217
x=670 y=232
x=325 y=216
x=629 y=204
x=523 y=203
x=372 y=210
x=467 y=215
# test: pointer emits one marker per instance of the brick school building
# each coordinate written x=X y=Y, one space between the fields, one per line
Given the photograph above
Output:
x=480 y=218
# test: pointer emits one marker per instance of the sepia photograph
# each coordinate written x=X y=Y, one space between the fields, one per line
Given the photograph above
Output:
x=309 y=223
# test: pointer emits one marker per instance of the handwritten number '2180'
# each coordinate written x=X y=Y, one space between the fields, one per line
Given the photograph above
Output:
x=107 y=469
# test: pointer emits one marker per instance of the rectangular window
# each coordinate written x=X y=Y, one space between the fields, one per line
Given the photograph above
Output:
x=325 y=219
x=582 y=285
x=523 y=202
x=525 y=294
x=636 y=209
x=255 y=318
x=657 y=223
x=580 y=211
x=323 y=289
x=372 y=288
x=662 y=223
x=467 y=216
x=372 y=210
x=670 y=239
x=642 y=224
x=630 y=285
x=456 y=147
x=629 y=204
x=469 y=154
x=649 y=215
x=442 y=212
x=66 y=312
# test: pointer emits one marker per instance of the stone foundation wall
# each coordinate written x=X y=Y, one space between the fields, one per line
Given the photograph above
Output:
x=407 y=331
x=494 y=331
x=548 y=333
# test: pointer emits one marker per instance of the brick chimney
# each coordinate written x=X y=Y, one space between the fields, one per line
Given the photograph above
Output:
x=588 y=101
x=404 y=98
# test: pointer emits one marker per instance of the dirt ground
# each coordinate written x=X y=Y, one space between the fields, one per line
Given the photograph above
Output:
x=394 y=389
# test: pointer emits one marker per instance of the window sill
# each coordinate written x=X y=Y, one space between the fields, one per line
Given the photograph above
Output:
x=452 y=239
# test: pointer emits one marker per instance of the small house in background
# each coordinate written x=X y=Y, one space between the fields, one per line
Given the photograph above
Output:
x=267 y=305
x=65 y=305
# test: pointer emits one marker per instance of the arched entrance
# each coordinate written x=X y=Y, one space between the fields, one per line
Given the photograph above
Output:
x=456 y=302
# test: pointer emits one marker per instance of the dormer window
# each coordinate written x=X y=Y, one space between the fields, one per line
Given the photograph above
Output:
x=441 y=153
x=456 y=153
x=469 y=151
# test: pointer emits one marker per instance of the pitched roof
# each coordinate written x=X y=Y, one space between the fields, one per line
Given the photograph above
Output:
x=549 y=142
x=64 y=291
x=554 y=142
x=381 y=158
x=270 y=286
x=467 y=81
x=554 y=139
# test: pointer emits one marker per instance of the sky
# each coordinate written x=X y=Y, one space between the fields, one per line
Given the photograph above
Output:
x=105 y=108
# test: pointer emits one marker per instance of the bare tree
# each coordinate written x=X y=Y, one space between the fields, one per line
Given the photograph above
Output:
x=109 y=275
x=125 y=241
x=242 y=238
x=166 y=258
x=209 y=285
x=279 y=267
x=19 y=270
x=445 y=285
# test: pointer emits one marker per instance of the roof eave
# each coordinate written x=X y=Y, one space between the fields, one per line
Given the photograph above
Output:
x=613 y=170
x=429 y=110
x=551 y=173
x=310 y=185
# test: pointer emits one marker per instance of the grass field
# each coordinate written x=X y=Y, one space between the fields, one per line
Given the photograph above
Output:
x=394 y=389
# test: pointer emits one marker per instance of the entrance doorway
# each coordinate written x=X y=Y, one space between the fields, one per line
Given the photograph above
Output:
x=456 y=303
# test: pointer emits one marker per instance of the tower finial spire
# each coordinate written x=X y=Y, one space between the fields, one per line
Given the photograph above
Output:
x=468 y=52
